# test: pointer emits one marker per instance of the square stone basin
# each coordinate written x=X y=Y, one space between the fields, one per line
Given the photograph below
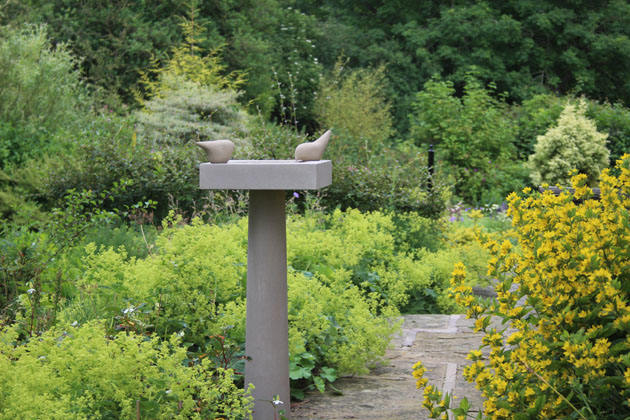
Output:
x=265 y=175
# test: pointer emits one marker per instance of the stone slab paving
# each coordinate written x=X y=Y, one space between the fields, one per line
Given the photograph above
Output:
x=389 y=392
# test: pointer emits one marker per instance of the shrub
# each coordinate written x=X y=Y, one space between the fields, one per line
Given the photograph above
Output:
x=109 y=151
x=563 y=353
x=193 y=284
x=472 y=137
x=613 y=119
x=359 y=248
x=357 y=111
x=395 y=180
x=186 y=111
x=42 y=94
x=80 y=373
x=536 y=115
x=273 y=141
x=35 y=260
x=574 y=143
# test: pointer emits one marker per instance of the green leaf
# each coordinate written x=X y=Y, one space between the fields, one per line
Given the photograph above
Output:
x=319 y=383
x=300 y=372
x=328 y=373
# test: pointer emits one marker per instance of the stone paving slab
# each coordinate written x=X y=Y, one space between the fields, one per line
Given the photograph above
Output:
x=389 y=392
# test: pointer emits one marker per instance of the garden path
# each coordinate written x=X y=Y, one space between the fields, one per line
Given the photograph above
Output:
x=389 y=392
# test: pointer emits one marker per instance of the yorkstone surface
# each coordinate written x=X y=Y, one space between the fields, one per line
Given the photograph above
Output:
x=389 y=392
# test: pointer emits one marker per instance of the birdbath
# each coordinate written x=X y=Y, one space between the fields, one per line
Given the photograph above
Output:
x=267 y=326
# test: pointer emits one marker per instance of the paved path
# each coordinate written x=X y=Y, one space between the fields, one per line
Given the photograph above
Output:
x=389 y=392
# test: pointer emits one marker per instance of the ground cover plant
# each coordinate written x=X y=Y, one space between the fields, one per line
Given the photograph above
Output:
x=564 y=352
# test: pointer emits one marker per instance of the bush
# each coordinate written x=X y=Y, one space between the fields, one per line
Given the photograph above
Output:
x=81 y=373
x=563 y=352
x=186 y=112
x=42 y=94
x=613 y=119
x=357 y=111
x=109 y=151
x=574 y=143
x=38 y=260
x=395 y=180
x=536 y=115
x=193 y=283
x=472 y=136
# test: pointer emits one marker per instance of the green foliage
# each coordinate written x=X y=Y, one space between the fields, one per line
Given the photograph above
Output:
x=80 y=373
x=41 y=96
x=536 y=115
x=357 y=111
x=296 y=69
x=186 y=111
x=189 y=62
x=347 y=277
x=414 y=231
x=614 y=120
x=18 y=193
x=574 y=143
x=396 y=179
x=435 y=273
x=473 y=37
x=34 y=266
x=332 y=331
x=472 y=137
x=107 y=151
x=116 y=38
x=273 y=141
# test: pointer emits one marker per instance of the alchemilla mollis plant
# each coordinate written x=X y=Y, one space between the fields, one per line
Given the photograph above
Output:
x=565 y=352
x=78 y=372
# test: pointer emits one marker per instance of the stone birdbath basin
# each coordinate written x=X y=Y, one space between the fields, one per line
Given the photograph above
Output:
x=267 y=331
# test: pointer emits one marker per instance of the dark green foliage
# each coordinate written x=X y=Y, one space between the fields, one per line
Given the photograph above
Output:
x=527 y=46
x=613 y=119
x=273 y=141
x=473 y=37
x=533 y=118
x=109 y=152
x=523 y=47
x=396 y=180
x=115 y=39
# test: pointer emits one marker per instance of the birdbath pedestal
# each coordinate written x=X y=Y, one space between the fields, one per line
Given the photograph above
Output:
x=267 y=330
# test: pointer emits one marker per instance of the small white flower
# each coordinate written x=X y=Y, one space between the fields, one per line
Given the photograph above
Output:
x=74 y=324
x=30 y=291
x=168 y=391
x=277 y=402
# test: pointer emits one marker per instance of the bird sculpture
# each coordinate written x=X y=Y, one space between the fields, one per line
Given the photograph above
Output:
x=313 y=150
x=217 y=151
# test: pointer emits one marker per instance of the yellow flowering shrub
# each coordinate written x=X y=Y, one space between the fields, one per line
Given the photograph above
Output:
x=565 y=352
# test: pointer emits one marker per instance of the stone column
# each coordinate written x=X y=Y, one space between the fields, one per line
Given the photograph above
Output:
x=267 y=329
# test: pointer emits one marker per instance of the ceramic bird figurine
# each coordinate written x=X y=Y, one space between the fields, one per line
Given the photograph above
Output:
x=218 y=151
x=313 y=150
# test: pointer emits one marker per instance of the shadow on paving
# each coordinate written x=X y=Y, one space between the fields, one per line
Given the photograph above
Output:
x=389 y=392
